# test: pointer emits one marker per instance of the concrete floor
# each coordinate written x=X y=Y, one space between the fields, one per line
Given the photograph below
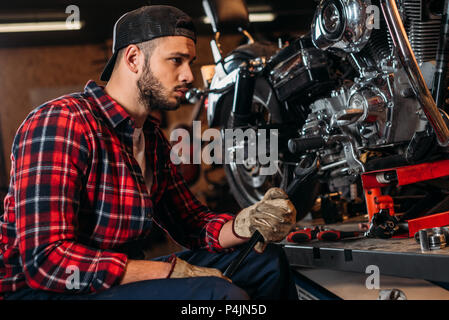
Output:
x=352 y=286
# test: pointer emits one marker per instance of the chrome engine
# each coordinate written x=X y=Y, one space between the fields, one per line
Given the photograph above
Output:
x=379 y=107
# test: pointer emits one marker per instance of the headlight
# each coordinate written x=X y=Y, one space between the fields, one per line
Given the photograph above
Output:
x=332 y=18
x=341 y=24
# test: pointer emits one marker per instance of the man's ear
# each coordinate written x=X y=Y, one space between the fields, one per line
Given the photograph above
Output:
x=133 y=58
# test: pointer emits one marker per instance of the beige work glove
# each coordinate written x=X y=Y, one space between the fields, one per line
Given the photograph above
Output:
x=274 y=217
x=183 y=269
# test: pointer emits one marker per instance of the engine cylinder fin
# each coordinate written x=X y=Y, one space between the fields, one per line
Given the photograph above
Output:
x=422 y=29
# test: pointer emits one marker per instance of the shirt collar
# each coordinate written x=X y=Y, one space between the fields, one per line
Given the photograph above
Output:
x=112 y=110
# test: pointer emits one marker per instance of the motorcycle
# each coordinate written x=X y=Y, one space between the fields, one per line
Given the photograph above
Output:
x=365 y=89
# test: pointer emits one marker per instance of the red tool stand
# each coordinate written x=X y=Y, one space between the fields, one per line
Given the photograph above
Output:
x=374 y=181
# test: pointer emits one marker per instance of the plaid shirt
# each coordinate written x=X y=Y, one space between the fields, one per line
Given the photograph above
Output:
x=77 y=197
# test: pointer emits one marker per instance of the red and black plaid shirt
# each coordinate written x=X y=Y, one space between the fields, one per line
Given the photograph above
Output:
x=77 y=197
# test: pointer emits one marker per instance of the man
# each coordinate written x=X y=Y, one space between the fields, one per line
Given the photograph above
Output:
x=91 y=173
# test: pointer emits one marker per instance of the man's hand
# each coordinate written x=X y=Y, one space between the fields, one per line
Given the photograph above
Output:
x=274 y=216
x=183 y=269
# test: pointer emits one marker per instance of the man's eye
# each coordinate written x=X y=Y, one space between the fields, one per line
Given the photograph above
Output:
x=176 y=60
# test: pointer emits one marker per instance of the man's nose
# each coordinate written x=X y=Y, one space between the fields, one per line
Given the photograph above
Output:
x=187 y=74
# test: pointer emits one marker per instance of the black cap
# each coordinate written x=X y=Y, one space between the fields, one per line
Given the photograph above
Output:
x=147 y=23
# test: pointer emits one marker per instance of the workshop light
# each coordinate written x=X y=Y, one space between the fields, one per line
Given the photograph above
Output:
x=253 y=17
x=40 y=26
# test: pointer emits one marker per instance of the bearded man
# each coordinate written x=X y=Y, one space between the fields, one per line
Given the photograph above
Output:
x=91 y=174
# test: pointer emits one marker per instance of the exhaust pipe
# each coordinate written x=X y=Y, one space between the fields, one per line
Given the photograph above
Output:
x=408 y=60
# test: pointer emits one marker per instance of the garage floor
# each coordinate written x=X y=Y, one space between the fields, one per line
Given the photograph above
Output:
x=352 y=286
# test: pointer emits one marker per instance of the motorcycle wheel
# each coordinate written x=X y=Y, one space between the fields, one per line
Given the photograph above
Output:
x=245 y=182
x=246 y=186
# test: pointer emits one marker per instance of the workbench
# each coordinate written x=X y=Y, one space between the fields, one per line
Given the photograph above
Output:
x=401 y=257
x=397 y=257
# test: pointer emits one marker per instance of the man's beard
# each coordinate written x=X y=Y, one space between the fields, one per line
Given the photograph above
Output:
x=152 y=93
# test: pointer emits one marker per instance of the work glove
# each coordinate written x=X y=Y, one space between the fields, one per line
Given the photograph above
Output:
x=183 y=269
x=274 y=217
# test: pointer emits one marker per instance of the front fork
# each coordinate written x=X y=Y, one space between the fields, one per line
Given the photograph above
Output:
x=243 y=96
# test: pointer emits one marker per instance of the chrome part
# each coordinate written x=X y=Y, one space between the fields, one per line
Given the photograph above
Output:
x=332 y=18
x=374 y=125
x=428 y=70
x=432 y=238
x=406 y=109
x=369 y=103
x=223 y=81
x=193 y=95
x=248 y=174
x=352 y=157
x=333 y=165
x=355 y=166
x=248 y=36
x=219 y=81
x=210 y=15
x=347 y=116
x=408 y=60
x=422 y=28
x=216 y=53
x=373 y=109
x=342 y=24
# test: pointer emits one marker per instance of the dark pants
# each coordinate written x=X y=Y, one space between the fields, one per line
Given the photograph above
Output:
x=260 y=276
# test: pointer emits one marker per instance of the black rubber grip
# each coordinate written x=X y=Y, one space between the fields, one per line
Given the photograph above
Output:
x=299 y=145
x=329 y=235
x=335 y=235
x=299 y=236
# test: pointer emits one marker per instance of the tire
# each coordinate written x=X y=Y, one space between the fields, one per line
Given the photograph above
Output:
x=238 y=175
x=247 y=187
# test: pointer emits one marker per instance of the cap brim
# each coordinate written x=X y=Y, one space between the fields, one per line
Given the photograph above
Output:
x=107 y=71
